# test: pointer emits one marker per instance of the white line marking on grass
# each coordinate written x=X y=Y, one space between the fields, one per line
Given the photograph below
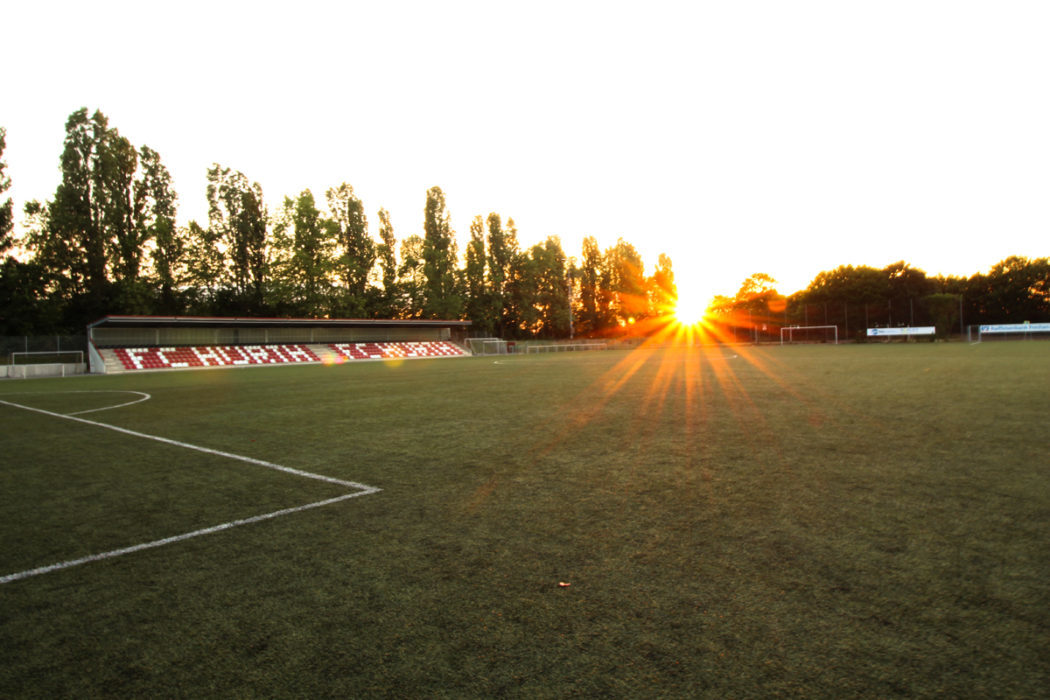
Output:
x=144 y=395
x=177 y=538
x=361 y=490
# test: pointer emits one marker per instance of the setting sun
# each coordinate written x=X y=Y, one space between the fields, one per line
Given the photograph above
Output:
x=690 y=308
x=692 y=303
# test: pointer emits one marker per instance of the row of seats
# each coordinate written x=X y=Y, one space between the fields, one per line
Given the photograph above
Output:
x=226 y=355
x=392 y=350
x=213 y=356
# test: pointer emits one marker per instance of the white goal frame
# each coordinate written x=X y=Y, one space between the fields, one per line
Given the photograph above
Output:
x=489 y=346
x=791 y=329
x=565 y=347
x=52 y=353
x=1004 y=330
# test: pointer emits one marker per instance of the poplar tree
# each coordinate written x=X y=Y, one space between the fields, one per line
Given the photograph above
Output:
x=478 y=308
x=591 y=318
x=304 y=241
x=91 y=239
x=386 y=253
x=551 y=288
x=412 y=278
x=624 y=276
x=7 y=220
x=156 y=209
x=356 y=251
x=661 y=289
x=502 y=250
x=72 y=246
x=237 y=217
x=441 y=297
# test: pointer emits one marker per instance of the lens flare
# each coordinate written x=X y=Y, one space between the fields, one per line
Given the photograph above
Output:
x=690 y=311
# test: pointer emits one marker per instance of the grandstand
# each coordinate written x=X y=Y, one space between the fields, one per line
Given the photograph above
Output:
x=119 y=344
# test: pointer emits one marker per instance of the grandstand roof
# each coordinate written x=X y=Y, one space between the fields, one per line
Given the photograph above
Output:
x=200 y=321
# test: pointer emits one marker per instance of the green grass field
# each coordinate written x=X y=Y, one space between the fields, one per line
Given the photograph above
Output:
x=736 y=522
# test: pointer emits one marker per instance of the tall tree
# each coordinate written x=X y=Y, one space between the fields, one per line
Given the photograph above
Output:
x=356 y=249
x=442 y=299
x=125 y=233
x=551 y=288
x=7 y=217
x=591 y=319
x=206 y=272
x=412 y=278
x=502 y=252
x=75 y=242
x=88 y=238
x=237 y=215
x=520 y=315
x=660 y=287
x=25 y=306
x=478 y=308
x=304 y=241
x=386 y=253
x=625 y=275
x=1016 y=290
x=73 y=245
x=156 y=208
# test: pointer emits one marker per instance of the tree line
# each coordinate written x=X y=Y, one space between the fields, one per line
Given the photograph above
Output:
x=854 y=298
x=108 y=242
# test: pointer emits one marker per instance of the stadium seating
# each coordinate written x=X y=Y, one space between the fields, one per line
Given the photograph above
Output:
x=160 y=358
x=212 y=356
x=391 y=350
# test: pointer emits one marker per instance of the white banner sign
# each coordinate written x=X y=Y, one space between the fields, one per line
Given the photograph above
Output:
x=1017 y=328
x=917 y=330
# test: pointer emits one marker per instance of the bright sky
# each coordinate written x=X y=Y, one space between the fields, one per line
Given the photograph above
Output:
x=736 y=136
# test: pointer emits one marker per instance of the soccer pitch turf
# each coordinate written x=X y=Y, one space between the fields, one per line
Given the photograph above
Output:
x=814 y=520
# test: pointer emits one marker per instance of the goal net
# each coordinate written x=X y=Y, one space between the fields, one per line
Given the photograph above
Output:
x=1009 y=331
x=565 y=347
x=47 y=357
x=809 y=334
x=487 y=346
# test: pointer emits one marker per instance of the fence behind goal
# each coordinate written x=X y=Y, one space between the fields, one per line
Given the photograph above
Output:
x=809 y=334
x=566 y=347
x=22 y=357
x=40 y=344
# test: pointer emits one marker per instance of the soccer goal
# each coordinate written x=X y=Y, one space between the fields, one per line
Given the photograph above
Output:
x=1009 y=331
x=487 y=346
x=809 y=334
x=565 y=347
x=47 y=357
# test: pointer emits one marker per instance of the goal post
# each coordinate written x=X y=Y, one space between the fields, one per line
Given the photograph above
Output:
x=1010 y=331
x=47 y=357
x=809 y=334
x=565 y=347
x=487 y=346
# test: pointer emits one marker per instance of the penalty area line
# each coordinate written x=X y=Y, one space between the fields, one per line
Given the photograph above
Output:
x=360 y=490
